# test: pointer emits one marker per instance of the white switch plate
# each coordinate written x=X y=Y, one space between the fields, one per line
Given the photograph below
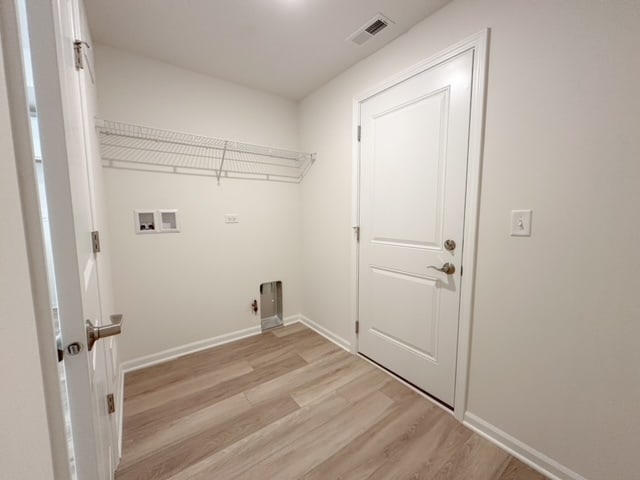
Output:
x=231 y=218
x=520 y=223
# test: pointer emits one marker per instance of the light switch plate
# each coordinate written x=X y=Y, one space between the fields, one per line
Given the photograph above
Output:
x=521 y=223
x=231 y=218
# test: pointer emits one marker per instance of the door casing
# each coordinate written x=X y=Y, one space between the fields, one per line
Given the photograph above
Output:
x=479 y=44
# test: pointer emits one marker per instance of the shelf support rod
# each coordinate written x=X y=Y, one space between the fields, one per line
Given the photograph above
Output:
x=224 y=153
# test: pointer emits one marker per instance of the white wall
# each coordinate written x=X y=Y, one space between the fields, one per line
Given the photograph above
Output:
x=555 y=357
x=140 y=90
x=25 y=452
x=175 y=289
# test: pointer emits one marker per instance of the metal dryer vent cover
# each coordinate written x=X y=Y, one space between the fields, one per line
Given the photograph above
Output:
x=369 y=29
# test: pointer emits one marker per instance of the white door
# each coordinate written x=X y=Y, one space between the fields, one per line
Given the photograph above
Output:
x=88 y=98
x=70 y=199
x=413 y=168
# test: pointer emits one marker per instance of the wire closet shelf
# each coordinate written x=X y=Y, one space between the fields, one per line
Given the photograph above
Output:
x=135 y=147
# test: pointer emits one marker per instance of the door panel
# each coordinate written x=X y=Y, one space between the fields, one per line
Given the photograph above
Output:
x=393 y=292
x=69 y=196
x=397 y=165
x=412 y=194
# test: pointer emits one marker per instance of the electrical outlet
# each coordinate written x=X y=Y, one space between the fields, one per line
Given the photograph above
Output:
x=231 y=218
x=520 y=223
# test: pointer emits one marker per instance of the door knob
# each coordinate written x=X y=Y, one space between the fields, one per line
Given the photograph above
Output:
x=450 y=245
x=448 y=268
x=95 y=333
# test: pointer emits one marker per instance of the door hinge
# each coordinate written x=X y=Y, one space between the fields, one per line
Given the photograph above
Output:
x=357 y=326
x=461 y=270
x=95 y=241
x=111 y=403
x=81 y=58
x=357 y=232
x=79 y=54
x=359 y=132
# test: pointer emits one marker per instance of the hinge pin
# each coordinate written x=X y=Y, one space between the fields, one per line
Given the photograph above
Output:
x=95 y=241
x=111 y=403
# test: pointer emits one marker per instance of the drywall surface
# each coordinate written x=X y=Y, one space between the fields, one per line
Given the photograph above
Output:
x=178 y=288
x=555 y=357
x=140 y=90
x=25 y=451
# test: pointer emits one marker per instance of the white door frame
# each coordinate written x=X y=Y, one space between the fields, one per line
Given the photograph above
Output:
x=479 y=44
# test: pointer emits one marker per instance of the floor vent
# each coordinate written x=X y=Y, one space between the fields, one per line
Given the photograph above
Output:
x=369 y=29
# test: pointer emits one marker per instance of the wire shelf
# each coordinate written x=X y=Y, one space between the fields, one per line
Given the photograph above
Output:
x=135 y=147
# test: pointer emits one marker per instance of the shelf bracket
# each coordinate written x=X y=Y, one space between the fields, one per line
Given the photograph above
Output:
x=224 y=153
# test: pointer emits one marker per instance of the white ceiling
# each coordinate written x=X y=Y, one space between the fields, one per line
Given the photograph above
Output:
x=287 y=47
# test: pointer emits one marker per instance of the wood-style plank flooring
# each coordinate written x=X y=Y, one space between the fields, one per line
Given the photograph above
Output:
x=288 y=404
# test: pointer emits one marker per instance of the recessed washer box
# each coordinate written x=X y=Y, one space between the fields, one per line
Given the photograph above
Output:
x=156 y=221
x=145 y=221
x=169 y=221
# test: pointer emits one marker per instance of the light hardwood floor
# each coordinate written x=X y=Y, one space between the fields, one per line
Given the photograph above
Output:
x=289 y=404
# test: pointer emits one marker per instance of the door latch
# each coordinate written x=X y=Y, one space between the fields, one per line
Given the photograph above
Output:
x=74 y=348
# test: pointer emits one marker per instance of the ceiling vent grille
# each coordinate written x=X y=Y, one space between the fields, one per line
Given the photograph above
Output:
x=369 y=29
x=376 y=26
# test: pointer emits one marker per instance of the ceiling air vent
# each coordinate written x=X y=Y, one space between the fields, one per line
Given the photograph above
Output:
x=376 y=26
x=369 y=29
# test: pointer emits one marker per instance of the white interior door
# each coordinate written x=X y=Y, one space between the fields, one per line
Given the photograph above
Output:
x=69 y=191
x=88 y=98
x=413 y=165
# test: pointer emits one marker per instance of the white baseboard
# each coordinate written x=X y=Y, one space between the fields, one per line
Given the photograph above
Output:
x=328 y=334
x=189 y=348
x=171 y=353
x=290 y=320
x=527 y=454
